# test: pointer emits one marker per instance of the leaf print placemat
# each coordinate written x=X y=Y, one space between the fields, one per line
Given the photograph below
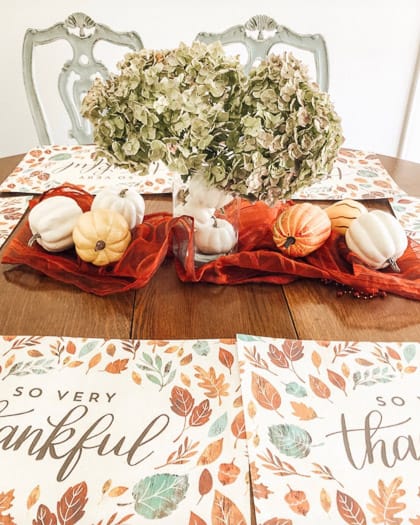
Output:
x=333 y=430
x=108 y=431
x=356 y=175
x=11 y=211
x=48 y=167
x=407 y=211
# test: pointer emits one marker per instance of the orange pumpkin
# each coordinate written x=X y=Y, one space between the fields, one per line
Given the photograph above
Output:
x=301 y=229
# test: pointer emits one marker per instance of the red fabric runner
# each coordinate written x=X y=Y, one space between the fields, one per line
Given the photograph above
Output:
x=257 y=259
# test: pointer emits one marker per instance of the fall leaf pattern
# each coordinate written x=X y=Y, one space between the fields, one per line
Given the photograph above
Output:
x=299 y=454
x=166 y=438
x=12 y=210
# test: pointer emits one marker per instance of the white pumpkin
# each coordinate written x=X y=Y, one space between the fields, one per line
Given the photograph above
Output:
x=126 y=201
x=51 y=222
x=378 y=239
x=202 y=216
x=216 y=237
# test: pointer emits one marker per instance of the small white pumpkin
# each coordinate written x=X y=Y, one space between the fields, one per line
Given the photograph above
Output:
x=202 y=194
x=51 y=222
x=378 y=239
x=202 y=216
x=217 y=236
x=126 y=201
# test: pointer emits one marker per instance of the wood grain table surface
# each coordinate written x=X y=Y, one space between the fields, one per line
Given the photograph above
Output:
x=33 y=304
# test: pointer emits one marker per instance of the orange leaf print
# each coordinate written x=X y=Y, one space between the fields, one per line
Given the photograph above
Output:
x=293 y=349
x=265 y=393
x=345 y=369
x=117 y=491
x=200 y=414
x=325 y=500
x=74 y=364
x=363 y=362
x=226 y=358
x=185 y=379
x=117 y=366
x=136 y=377
x=228 y=472
x=186 y=360
x=393 y=353
x=238 y=402
x=71 y=505
x=316 y=359
x=238 y=426
x=106 y=486
x=70 y=348
x=196 y=520
x=410 y=369
x=33 y=497
x=225 y=512
x=35 y=353
x=171 y=349
x=302 y=411
x=278 y=521
x=337 y=380
x=260 y=491
x=6 y=499
x=415 y=521
x=110 y=349
x=349 y=509
x=205 y=483
x=277 y=357
x=385 y=506
x=211 y=452
x=10 y=361
x=214 y=386
x=44 y=516
x=297 y=501
x=93 y=361
x=319 y=388
x=182 y=402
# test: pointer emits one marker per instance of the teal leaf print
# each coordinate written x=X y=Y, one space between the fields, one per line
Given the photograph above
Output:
x=247 y=338
x=218 y=426
x=372 y=376
x=290 y=440
x=61 y=156
x=37 y=366
x=87 y=348
x=366 y=173
x=158 y=496
x=201 y=347
x=409 y=352
x=295 y=389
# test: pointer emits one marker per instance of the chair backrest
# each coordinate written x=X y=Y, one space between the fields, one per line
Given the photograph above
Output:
x=76 y=75
x=260 y=33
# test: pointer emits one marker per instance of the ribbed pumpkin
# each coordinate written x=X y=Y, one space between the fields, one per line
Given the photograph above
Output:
x=342 y=213
x=101 y=236
x=301 y=229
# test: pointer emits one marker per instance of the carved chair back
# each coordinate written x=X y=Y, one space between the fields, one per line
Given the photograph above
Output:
x=260 y=33
x=77 y=74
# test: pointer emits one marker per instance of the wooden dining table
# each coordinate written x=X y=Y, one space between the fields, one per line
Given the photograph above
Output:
x=166 y=308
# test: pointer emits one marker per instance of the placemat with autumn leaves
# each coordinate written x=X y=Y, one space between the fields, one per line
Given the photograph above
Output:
x=257 y=258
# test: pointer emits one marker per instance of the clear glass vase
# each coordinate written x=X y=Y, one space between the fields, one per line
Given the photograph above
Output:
x=215 y=214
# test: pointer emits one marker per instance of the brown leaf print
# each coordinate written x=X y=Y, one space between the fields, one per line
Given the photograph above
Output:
x=385 y=506
x=110 y=349
x=297 y=501
x=228 y=473
x=226 y=358
x=265 y=393
x=196 y=520
x=278 y=521
x=44 y=516
x=117 y=366
x=35 y=353
x=211 y=452
x=337 y=380
x=319 y=388
x=277 y=357
x=6 y=499
x=363 y=362
x=200 y=414
x=186 y=360
x=415 y=521
x=182 y=455
x=393 y=353
x=182 y=402
x=225 y=512
x=238 y=426
x=293 y=349
x=71 y=505
x=214 y=386
x=33 y=497
x=205 y=483
x=302 y=411
x=261 y=491
x=325 y=500
x=349 y=509
x=70 y=348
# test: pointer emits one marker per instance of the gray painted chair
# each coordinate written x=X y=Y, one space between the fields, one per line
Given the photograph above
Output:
x=260 y=33
x=76 y=75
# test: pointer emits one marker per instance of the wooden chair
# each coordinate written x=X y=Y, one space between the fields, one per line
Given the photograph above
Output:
x=260 y=33
x=76 y=76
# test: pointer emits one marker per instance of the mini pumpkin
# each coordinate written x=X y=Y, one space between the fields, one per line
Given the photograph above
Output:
x=217 y=236
x=378 y=239
x=342 y=213
x=125 y=201
x=101 y=236
x=301 y=229
x=51 y=222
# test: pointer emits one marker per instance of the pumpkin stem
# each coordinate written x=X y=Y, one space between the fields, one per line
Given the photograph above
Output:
x=289 y=242
x=394 y=266
x=33 y=239
x=123 y=192
x=100 y=245
x=214 y=221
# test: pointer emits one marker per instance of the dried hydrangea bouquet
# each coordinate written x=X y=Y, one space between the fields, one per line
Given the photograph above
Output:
x=227 y=135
